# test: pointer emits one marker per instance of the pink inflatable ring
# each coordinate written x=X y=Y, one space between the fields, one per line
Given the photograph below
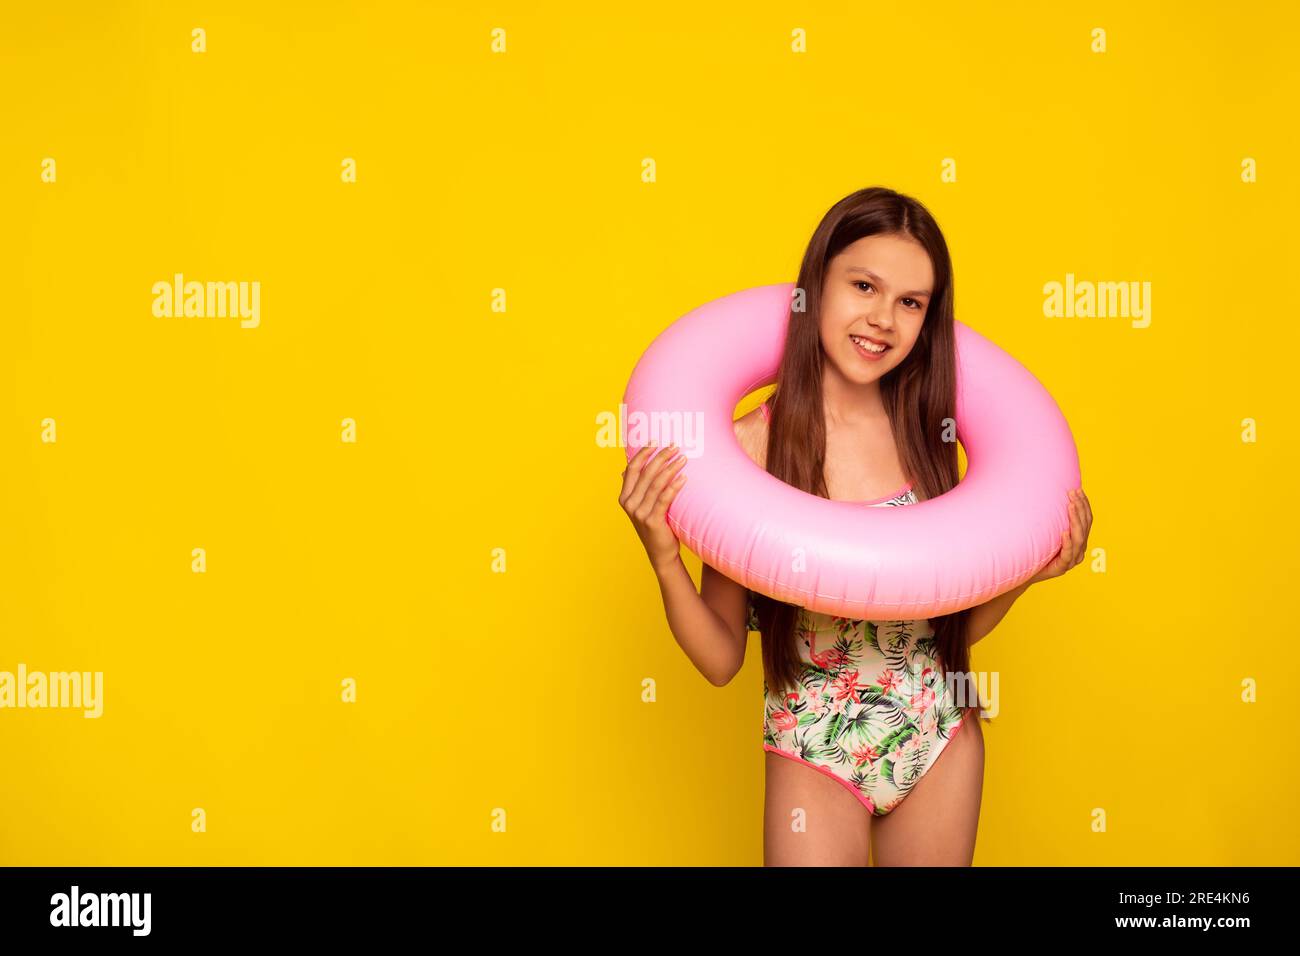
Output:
x=999 y=525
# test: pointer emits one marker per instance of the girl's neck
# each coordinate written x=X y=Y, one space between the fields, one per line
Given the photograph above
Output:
x=848 y=403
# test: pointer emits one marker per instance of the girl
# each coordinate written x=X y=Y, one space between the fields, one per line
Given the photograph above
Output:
x=857 y=713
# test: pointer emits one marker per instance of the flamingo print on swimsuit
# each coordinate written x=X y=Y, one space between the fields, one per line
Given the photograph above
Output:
x=870 y=709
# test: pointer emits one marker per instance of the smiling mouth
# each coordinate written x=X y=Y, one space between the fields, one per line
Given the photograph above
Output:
x=869 y=348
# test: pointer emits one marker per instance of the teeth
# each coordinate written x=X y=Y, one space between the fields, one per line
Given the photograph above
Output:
x=869 y=346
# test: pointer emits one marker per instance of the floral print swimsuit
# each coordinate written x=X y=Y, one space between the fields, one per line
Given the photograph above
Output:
x=870 y=709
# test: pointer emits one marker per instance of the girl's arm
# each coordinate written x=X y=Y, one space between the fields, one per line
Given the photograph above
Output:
x=714 y=640
x=984 y=617
x=708 y=626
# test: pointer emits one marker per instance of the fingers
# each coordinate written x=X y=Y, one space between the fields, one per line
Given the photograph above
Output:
x=1080 y=522
x=1074 y=540
x=635 y=463
x=632 y=473
x=1085 y=523
x=640 y=477
x=650 y=501
x=1072 y=547
x=1060 y=560
x=1067 y=555
x=674 y=485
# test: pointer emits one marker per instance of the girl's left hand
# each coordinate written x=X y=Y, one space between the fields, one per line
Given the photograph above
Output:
x=1074 y=543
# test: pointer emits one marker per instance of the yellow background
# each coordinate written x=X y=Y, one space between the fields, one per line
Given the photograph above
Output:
x=476 y=429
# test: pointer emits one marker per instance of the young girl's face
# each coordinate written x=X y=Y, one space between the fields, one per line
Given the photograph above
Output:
x=877 y=292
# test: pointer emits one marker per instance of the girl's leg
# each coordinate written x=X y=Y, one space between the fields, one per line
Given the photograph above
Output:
x=809 y=819
x=936 y=822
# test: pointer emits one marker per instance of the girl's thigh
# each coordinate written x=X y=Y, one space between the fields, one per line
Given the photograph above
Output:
x=935 y=824
x=809 y=819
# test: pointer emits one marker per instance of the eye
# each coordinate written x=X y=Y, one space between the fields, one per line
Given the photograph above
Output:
x=914 y=305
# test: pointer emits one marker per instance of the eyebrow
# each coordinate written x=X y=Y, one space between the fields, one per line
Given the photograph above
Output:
x=868 y=272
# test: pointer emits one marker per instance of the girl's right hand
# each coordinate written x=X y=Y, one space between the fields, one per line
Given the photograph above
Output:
x=650 y=483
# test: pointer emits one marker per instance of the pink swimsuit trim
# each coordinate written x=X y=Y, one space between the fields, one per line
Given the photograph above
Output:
x=862 y=797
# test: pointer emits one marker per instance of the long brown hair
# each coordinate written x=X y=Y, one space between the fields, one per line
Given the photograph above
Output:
x=918 y=395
